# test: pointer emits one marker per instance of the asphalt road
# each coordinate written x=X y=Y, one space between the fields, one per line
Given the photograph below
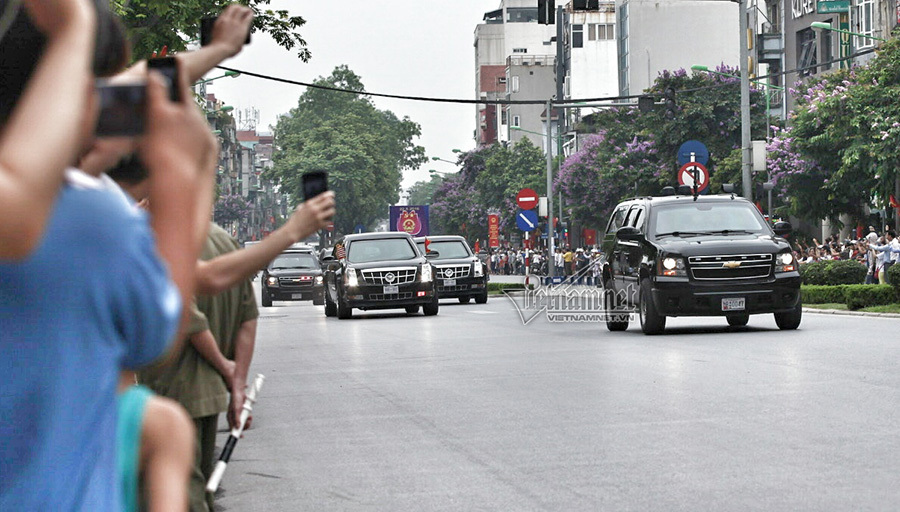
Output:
x=472 y=410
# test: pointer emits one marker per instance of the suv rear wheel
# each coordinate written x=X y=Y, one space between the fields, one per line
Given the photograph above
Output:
x=651 y=321
x=615 y=315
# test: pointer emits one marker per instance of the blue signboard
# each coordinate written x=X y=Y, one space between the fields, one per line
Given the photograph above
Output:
x=701 y=154
x=411 y=219
x=527 y=220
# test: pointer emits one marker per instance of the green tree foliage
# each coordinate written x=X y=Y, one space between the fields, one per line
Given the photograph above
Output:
x=843 y=147
x=363 y=149
x=635 y=153
x=488 y=182
x=153 y=24
x=422 y=192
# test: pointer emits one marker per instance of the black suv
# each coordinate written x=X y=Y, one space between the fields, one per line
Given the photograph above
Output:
x=294 y=275
x=459 y=273
x=710 y=256
x=378 y=271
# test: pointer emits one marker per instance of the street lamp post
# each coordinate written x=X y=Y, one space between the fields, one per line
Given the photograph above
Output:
x=827 y=26
x=232 y=74
x=745 y=101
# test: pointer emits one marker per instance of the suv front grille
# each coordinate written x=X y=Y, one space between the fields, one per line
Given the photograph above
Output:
x=388 y=276
x=737 y=266
x=452 y=271
x=296 y=282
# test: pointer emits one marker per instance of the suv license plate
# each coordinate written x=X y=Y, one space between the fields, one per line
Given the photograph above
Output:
x=296 y=295
x=733 y=304
x=391 y=289
x=449 y=282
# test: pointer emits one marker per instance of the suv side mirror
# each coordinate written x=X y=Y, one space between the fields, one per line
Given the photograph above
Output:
x=629 y=233
x=432 y=255
x=782 y=228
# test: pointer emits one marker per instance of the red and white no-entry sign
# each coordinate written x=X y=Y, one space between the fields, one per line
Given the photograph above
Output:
x=686 y=175
x=526 y=199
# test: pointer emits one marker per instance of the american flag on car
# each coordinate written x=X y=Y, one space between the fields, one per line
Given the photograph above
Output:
x=340 y=251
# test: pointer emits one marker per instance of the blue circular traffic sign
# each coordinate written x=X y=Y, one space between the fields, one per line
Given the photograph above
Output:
x=701 y=154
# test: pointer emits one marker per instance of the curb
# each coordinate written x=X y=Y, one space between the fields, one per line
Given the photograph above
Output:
x=850 y=313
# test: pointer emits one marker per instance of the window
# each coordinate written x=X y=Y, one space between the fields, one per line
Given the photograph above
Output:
x=806 y=51
x=381 y=249
x=617 y=220
x=577 y=36
x=862 y=23
x=516 y=121
x=503 y=116
x=514 y=86
x=521 y=15
x=601 y=32
x=624 y=82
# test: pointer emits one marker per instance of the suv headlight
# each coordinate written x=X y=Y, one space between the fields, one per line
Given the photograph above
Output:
x=671 y=266
x=351 y=279
x=320 y=279
x=426 y=273
x=272 y=281
x=784 y=262
x=477 y=269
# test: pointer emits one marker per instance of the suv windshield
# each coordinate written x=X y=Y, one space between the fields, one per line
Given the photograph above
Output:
x=706 y=218
x=295 y=261
x=451 y=249
x=381 y=249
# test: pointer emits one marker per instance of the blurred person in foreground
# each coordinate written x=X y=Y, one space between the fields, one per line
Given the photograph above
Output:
x=32 y=102
x=103 y=291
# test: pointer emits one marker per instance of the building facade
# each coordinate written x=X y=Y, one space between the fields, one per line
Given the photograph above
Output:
x=658 y=35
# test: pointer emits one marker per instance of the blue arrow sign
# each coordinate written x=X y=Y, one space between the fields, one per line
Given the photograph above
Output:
x=701 y=154
x=359 y=228
x=527 y=220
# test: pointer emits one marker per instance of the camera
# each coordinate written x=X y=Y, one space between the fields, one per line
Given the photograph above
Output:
x=206 y=30
x=168 y=67
x=314 y=183
x=122 y=108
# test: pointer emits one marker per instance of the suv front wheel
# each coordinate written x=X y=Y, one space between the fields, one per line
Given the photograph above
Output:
x=651 y=321
x=790 y=320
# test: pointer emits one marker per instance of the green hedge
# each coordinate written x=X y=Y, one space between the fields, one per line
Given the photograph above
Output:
x=893 y=277
x=833 y=272
x=860 y=296
x=496 y=287
x=814 y=294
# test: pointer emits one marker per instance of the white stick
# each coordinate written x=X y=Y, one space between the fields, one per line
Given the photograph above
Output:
x=235 y=435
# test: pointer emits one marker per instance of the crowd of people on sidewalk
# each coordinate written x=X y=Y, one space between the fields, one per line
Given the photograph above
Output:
x=876 y=252
x=580 y=265
x=128 y=319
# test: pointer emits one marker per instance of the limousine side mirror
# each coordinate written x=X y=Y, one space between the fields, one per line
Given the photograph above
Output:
x=326 y=259
x=432 y=255
x=782 y=228
x=629 y=233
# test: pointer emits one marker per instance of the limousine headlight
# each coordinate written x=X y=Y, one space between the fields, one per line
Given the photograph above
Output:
x=477 y=269
x=351 y=279
x=426 y=273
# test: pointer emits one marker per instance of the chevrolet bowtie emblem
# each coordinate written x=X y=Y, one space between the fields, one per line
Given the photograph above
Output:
x=731 y=264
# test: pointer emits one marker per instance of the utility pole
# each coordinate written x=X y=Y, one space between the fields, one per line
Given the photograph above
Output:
x=551 y=229
x=746 y=177
x=560 y=80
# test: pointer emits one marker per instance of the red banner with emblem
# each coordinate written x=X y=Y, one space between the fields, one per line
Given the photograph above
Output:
x=590 y=236
x=494 y=230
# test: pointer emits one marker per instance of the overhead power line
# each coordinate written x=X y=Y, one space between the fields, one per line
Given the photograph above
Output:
x=610 y=99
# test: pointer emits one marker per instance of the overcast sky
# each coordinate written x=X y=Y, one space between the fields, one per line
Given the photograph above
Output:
x=415 y=48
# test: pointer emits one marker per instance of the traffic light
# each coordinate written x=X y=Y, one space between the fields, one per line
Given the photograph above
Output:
x=546 y=12
x=669 y=99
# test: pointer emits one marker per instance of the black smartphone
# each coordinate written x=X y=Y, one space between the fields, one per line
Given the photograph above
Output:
x=314 y=183
x=168 y=67
x=122 y=109
x=206 y=30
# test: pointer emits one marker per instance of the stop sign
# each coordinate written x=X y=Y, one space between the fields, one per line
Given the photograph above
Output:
x=330 y=226
x=526 y=199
